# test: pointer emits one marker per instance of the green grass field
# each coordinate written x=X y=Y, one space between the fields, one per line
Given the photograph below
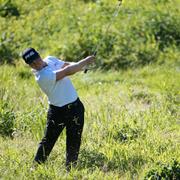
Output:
x=131 y=124
x=132 y=97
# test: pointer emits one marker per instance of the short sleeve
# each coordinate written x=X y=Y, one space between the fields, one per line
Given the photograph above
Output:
x=59 y=63
x=46 y=80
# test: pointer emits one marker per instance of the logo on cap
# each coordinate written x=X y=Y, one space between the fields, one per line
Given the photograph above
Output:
x=29 y=55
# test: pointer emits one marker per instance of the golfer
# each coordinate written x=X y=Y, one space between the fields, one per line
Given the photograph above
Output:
x=65 y=108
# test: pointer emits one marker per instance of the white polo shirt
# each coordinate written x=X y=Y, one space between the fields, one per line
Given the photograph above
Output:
x=59 y=92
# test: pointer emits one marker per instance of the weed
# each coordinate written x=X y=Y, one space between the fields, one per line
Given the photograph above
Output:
x=7 y=118
x=127 y=133
x=164 y=171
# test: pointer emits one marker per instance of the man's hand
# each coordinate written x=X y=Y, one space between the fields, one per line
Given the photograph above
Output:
x=90 y=59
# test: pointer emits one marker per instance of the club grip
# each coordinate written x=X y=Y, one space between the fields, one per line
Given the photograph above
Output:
x=86 y=70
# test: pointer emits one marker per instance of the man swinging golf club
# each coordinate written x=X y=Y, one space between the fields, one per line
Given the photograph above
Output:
x=65 y=108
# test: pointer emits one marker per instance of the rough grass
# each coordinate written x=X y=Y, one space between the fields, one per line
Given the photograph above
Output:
x=132 y=117
x=131 y=124
x=141 y=33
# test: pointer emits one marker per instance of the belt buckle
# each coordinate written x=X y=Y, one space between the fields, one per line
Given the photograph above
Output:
x=69 y=106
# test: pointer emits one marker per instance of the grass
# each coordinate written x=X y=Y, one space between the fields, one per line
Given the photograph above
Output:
x=139 y=35
x=131 y=123
x=132 y=114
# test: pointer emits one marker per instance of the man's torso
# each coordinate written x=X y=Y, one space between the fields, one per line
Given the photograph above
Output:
x=59 y=92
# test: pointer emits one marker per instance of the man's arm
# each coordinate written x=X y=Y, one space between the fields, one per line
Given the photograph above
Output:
x=70 y=69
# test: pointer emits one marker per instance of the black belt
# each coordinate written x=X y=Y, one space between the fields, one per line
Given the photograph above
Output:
x=67 y=106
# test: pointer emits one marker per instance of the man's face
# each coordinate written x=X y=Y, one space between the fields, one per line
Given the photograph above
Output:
x=35 y=63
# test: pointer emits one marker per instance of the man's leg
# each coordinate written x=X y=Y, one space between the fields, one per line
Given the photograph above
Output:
x=53 y=129
x=74 y=129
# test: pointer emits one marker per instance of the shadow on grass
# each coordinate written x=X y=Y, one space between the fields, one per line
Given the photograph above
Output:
x=131 y=163
x=91 y=159
x=120 y=162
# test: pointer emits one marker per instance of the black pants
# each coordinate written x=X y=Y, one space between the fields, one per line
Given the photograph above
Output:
x=70 y=116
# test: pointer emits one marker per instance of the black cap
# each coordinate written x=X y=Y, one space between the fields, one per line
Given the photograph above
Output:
x=29 y=55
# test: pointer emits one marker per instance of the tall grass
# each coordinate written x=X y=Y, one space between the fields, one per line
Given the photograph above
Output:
x=139 y=35
x=132 y=114
x=131 y=124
